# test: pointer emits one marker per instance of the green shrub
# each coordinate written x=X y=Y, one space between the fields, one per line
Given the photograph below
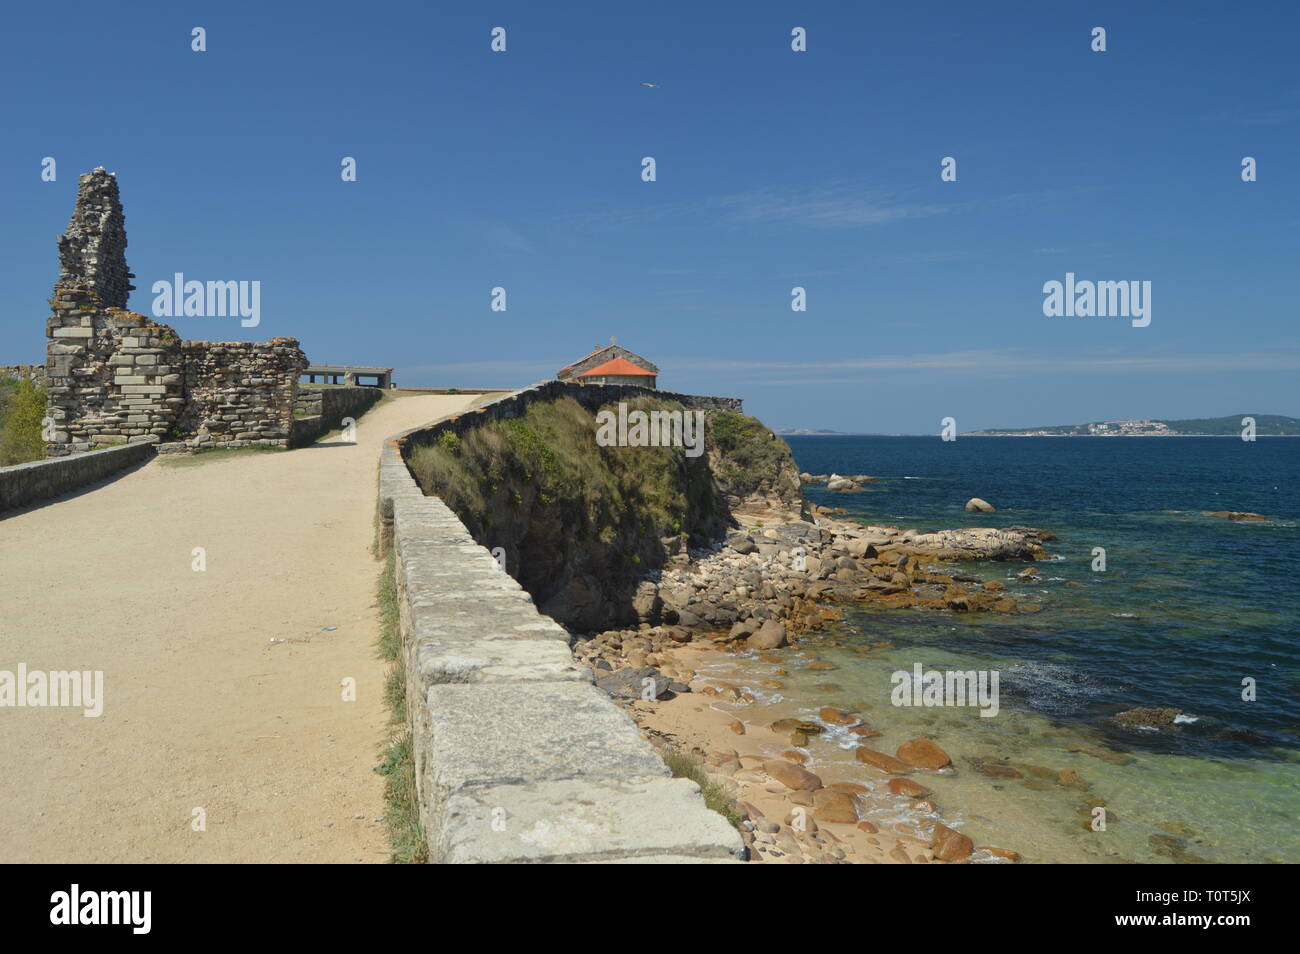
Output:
x=22 y=410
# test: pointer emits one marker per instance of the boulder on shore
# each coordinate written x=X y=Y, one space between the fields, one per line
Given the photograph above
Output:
x=976 y=543
x=771 y=635
x=637 y=682
x=978 y=505
x=792 y=776
x=949 y=844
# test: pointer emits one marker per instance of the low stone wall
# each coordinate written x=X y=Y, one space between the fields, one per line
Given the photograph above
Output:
x=22 y=484
x=514 y=403
x=19 y=372
x=325 y=409
x=518 y=756
x=240 y=392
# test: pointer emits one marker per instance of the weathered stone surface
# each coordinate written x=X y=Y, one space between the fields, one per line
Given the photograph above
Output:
x=583 y=820
x=473 y=735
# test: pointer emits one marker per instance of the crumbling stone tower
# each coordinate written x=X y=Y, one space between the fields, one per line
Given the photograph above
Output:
x=92 y=253
x=116 y=377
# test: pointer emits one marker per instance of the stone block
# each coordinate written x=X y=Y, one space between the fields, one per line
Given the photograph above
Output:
x=580 y=820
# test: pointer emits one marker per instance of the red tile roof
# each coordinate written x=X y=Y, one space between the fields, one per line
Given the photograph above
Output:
x=619 y=366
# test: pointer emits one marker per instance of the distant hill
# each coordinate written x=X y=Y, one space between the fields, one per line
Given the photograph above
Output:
x=808 y=430
x=1266 y=425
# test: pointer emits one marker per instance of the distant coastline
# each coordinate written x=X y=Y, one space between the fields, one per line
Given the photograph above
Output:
x=1233 y=425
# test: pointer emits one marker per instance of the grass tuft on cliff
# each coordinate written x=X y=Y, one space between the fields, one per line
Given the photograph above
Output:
x=552 y=449
x=750 y=457
x=397 y=764
x=684 y=765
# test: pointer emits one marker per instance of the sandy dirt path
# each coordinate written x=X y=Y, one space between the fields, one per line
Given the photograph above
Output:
x=202 y=710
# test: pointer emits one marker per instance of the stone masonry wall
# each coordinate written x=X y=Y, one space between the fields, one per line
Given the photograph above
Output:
x=22 y=484
x=321 y=410
x=112 y=376
x=239 y=393
x=16 y=372
x=116 y=377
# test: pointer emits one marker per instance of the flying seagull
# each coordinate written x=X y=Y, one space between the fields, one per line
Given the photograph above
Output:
x=651 y=85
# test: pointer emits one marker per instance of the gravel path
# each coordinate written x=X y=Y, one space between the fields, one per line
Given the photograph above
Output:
x=223 y=688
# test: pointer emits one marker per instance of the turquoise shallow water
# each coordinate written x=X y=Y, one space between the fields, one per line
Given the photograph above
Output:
x=1188 y=607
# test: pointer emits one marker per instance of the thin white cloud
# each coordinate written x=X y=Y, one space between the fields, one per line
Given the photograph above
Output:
x=832 y=207
x=843 y=370
x=836 y=205
x=507 y=238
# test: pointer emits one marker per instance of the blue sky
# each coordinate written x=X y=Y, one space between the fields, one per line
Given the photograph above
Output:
x=775 y=169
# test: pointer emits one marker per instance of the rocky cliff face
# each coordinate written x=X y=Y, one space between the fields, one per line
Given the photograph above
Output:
x=581 y=525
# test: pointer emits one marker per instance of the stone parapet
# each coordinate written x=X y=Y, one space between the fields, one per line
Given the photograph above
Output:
x=518 y=756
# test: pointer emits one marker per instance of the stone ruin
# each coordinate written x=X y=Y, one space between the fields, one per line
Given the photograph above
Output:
x=117 y=377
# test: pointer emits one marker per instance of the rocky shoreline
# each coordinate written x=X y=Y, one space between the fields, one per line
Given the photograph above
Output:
x=773 y=588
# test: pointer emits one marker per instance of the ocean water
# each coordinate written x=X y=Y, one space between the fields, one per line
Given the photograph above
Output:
x=1187 y=608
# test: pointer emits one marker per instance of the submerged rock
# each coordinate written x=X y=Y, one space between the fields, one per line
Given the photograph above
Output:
x=906 y=787
x=1143 y=718
x=886 y=763
x=923 y=754
x=993 y=769
x=1238 y=515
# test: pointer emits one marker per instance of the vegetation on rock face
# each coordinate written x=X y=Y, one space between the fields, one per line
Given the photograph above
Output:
x=684 y=765
x=580 y=524
x=397 y=762
x=750 y=459
x=22 y=408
